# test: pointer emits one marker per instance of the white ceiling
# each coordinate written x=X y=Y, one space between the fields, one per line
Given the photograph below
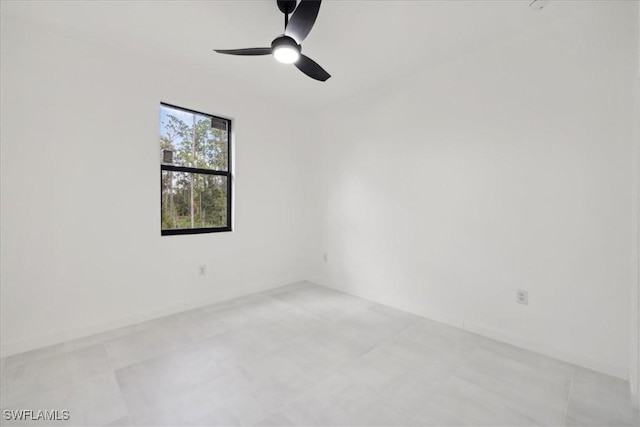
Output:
x=363 y=44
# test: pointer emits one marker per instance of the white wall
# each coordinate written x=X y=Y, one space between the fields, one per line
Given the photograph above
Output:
x=634 y=363
x=512 y=168
x=81 y=244
x=440 y=194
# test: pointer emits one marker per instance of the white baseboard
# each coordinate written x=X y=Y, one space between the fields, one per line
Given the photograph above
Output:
x=477 y=328
x=32 y=343
x=574 y=358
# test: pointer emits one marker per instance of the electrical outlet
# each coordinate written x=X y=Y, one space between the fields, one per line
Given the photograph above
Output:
x=325 y=257
x=202 y=270
x=522 y=297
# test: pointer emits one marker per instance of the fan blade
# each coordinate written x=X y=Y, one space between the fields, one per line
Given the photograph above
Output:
x=252 y=51
x=302 y=20
x=311 y=68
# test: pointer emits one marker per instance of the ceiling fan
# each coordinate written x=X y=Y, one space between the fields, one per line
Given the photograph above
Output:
x=286 y=48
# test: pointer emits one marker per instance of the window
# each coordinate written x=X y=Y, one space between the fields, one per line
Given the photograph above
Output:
x=195 y=171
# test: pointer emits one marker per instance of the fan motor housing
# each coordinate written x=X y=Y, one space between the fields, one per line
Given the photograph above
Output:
x=283 y=41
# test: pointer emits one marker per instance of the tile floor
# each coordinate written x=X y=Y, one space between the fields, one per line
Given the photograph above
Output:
x=305 y=355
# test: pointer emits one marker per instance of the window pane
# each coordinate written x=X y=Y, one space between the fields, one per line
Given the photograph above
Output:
x=193 y=200
x=194 y=140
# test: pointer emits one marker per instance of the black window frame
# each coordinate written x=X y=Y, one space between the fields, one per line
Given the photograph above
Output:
x=228 y=174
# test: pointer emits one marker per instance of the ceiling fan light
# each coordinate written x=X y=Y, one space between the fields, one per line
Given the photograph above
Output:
x=285 y=50
x=286 y=54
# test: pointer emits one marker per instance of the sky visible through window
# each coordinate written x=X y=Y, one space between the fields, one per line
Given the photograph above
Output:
x=185 y=116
